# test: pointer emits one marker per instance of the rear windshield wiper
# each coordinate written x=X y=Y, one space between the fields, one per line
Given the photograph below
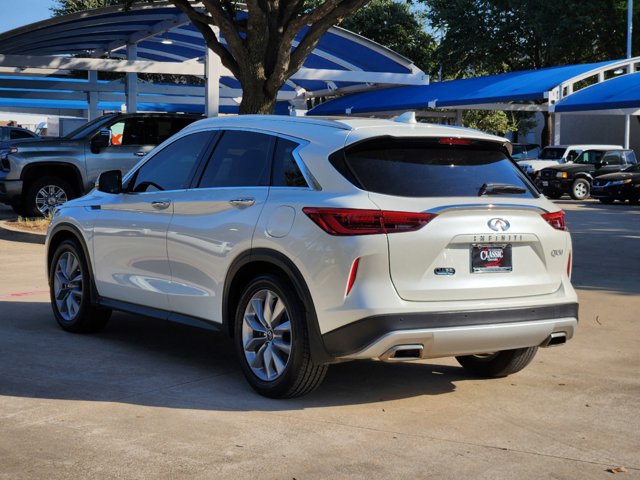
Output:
x=500 y=189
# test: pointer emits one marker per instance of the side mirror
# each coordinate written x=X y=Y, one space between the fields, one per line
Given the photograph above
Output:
x=101 y=140
x=110 y=182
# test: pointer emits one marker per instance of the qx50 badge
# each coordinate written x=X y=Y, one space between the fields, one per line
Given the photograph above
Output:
x=498 y=224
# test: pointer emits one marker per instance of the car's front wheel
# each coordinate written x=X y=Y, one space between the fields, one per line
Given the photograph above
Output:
x=45 y=194
x=580 y=189
x=70 y=291
x=272 y=339
x=498 y=364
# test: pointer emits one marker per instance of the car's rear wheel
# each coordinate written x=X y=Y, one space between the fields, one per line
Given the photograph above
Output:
x=580 y=189
x=46 y=193
x=70 y=291
x=272 y=339
x=498 y=364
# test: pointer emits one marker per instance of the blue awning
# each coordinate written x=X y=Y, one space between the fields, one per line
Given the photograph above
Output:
x=525 y=85
x=163 y=33
x=618 y=93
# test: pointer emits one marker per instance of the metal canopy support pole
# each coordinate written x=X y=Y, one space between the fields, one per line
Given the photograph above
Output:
x=627 y=130
x=556 y=128
x=629 y=29
x=459 y=118
x=212 y=86
x=92 y=96
x=132 y=80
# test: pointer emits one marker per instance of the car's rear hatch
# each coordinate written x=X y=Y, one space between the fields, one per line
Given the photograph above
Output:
x=479 y=245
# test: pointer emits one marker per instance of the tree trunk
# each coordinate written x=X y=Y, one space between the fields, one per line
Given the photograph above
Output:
x=256 y=100
x=545 y=136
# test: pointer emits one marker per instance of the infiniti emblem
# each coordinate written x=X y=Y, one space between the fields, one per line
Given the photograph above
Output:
x=498 y=224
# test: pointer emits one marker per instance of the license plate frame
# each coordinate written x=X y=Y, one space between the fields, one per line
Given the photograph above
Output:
x=497 y=258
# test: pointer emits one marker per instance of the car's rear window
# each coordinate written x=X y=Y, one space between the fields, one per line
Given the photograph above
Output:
x=421 y=169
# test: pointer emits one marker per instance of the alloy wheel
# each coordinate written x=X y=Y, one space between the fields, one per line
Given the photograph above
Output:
x=266 y=335
x=49 y=197
x=68 y=286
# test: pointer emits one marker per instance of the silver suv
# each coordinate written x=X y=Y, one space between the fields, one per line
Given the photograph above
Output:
x=37 y=176
x=312 y=241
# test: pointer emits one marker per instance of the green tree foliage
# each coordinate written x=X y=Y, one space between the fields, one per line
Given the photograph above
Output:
x=65 y=7
x=396 y=26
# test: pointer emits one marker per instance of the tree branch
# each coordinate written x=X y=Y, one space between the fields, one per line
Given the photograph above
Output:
x=209 y=36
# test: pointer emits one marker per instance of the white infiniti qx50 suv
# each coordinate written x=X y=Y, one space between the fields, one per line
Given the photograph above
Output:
x=312 y=241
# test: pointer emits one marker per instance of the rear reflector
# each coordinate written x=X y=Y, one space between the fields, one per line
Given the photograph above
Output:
x=556 y=220
x=351 y=221
x=352 y=276
x=454 y=141
x=569 y=265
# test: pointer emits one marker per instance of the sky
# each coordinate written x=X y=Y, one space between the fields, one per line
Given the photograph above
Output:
x=17 y=13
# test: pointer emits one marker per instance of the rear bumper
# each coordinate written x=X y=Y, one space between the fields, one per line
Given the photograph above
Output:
x=452 y=333
x=10 y=190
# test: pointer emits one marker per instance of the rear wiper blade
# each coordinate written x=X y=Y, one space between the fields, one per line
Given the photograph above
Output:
x=500 y=189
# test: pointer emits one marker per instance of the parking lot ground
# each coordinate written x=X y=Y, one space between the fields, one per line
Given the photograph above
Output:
x=145 y=399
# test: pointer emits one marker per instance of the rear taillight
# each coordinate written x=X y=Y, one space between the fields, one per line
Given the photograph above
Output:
x=556 y=220
x=351 y=221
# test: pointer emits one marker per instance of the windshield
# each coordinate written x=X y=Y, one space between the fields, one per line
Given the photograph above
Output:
x=589 y=157
x=87 y=128
x=552 y=153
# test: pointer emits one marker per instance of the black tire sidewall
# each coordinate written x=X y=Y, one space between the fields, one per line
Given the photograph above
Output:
x=29 y=202
x=299 y=342
x=78 y=323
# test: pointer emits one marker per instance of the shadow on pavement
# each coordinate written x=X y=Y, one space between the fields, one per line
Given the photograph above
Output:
x=149 y=362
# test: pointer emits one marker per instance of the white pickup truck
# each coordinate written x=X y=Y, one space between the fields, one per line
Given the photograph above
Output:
x=555 y=154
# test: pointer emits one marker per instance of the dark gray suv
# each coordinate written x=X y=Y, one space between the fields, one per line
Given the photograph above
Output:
x=36 y=176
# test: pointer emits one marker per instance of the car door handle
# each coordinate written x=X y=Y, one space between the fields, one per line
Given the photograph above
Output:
x=140 y=154
x=242 y=202
x=160 y=204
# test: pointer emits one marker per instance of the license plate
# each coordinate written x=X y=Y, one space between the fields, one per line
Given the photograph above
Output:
x=490 y=258
x=545 y=184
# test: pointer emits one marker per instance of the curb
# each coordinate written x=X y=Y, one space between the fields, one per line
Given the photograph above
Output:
x=13 y=234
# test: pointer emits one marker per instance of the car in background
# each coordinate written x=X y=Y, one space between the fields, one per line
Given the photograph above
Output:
x=521 y=151
x=576 y=178
x=38 y=175
x=559 y=154
x=621 y=186
x=313 y=241
x=8 y=133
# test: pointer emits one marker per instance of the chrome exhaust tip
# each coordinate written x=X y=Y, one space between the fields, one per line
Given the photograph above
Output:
x=555 y=339
x=401 y=353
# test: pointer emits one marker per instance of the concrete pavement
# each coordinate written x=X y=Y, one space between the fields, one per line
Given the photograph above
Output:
x=146 y=399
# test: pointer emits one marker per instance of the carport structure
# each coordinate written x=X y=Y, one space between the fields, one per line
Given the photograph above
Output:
x=160 y=39
x=544 y=90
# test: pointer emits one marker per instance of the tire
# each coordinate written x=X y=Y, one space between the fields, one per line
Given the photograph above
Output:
x=634 y=200
x=606 y=201
x=71 y=290
x=553 y=195
x=499 y=364
x=44 y=194
x=580 y=189
x=262 y=342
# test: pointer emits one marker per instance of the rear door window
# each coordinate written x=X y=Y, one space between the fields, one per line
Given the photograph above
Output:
x=241 y=159
x=422 y=169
